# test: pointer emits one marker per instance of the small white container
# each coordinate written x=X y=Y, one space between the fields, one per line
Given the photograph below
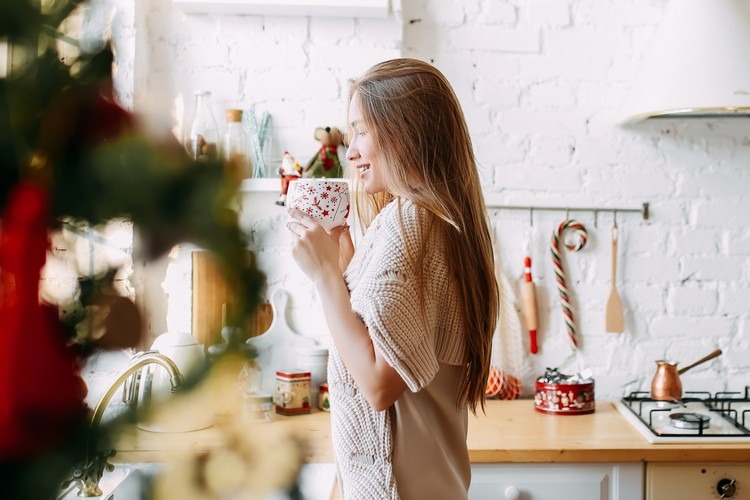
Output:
x=313 y=359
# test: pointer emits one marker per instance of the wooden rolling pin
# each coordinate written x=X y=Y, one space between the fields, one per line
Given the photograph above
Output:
x=528 y=305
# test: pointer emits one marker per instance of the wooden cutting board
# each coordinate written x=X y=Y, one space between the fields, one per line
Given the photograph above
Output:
x=210 y=296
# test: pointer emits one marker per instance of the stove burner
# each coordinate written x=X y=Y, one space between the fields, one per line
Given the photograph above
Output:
x=689 y=420
x=667 y=404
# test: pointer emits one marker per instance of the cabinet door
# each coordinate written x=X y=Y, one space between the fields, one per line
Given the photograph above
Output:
x=698 y=481
x=556 y=481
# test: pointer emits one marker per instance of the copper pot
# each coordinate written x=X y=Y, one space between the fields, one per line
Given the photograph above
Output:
x=666 y=385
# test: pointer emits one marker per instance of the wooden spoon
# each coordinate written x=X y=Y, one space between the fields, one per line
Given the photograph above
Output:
x=613 y=319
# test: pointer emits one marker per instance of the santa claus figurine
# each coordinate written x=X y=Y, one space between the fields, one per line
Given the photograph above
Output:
x=290 y=170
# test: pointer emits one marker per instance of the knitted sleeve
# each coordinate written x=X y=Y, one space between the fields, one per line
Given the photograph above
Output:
x=386 y=299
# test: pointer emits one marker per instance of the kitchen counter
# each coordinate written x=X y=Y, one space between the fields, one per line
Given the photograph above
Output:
x=511 y=431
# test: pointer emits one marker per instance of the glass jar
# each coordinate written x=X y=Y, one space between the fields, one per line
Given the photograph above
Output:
x=203 y=135
x=324 y=399
x=235 y=147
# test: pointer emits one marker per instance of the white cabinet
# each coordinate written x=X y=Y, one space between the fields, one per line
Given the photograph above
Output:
x=579 y=481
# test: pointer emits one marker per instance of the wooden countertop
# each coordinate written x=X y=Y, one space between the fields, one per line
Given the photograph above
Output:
x=511 y=431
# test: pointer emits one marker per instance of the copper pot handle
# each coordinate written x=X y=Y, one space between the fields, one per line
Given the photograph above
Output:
x=708 y=357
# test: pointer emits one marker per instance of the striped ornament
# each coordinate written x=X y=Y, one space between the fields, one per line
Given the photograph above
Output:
x=560 y=274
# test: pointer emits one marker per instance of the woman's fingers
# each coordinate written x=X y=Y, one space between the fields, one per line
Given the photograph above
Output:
x=302 y=218
x=299 y=222
x=295 y=227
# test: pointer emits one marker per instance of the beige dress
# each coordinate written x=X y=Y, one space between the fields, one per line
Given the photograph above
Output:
x=417 y=448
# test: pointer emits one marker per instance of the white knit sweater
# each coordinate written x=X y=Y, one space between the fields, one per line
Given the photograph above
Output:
x=383 y=291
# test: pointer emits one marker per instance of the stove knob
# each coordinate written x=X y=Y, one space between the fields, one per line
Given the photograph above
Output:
x=726 y=488
x=512 y=493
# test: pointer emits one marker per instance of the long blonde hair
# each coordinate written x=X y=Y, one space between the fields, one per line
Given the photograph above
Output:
x=423 y=141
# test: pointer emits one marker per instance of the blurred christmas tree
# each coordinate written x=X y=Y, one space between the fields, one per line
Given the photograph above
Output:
x=69 y=154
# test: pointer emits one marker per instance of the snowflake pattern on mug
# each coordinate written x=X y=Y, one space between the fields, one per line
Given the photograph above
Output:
x=325 y=200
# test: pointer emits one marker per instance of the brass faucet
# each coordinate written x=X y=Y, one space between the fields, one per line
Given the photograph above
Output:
x=88 y=474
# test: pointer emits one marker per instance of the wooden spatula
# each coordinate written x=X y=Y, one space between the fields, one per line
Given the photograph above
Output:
x=613 y=318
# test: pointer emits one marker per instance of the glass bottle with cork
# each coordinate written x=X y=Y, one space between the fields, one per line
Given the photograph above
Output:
x=203 y=135
x=235 y=147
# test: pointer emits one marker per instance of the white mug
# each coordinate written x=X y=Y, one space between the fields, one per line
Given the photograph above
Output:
x=325 y=200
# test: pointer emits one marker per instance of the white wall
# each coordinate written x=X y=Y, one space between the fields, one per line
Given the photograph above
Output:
x=540 y=82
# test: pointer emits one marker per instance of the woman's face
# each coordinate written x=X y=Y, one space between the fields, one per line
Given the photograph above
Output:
x=362 y=152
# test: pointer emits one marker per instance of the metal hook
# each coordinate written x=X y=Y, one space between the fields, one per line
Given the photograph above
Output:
x=596 y=218
x=567 y=214
x=531 y=216
x=614 y=212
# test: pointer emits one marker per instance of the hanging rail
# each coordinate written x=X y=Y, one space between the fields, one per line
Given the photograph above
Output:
x=643 y=210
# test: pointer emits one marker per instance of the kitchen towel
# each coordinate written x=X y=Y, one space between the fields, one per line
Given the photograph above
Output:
x=507 y=360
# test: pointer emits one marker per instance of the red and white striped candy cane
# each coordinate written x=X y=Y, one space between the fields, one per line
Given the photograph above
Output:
x=560 y=274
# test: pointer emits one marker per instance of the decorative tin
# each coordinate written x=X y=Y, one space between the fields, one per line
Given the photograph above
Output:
x=292 y=392
x=259 y=407
x=324 y=401
x=560 y=394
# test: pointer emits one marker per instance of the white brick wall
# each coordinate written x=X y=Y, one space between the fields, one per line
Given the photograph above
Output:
x=541 y=83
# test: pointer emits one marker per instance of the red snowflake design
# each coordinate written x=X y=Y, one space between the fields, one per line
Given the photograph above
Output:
x=316 y=203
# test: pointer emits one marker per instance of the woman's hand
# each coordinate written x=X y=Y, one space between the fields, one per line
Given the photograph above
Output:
x=315 y=250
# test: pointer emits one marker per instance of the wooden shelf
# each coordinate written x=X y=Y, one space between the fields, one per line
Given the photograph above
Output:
x=329 y=8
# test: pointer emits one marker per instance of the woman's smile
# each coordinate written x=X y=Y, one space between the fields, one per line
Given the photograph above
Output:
x=363 y=168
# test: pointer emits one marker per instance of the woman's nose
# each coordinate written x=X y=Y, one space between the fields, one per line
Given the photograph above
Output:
x=351 y=152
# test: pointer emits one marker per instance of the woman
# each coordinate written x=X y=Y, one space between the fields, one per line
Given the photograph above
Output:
x=412 y=316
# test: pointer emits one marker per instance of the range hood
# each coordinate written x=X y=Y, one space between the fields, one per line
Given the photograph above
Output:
x=698 y=64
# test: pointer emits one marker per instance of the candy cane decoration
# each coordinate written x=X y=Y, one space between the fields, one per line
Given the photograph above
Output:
x=560 y=274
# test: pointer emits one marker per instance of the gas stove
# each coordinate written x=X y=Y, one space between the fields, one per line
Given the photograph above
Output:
x=701 y=417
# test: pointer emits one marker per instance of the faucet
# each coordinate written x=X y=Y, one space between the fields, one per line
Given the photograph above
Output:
x=88 y=474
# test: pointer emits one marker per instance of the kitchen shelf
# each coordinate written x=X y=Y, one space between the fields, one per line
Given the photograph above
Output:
x=274 y=184
x=329 y=8
x=262 y=184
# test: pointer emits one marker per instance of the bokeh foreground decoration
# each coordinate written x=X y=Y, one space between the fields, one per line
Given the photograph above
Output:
x=70 y=155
